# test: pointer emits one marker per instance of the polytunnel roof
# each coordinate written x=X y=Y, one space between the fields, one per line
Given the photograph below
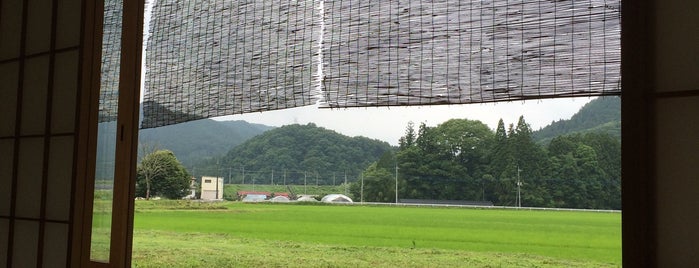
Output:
x=306 y=199
x=280 y=198
x=336 y=198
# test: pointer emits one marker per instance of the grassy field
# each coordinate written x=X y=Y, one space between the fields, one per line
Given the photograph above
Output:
x=291 y=235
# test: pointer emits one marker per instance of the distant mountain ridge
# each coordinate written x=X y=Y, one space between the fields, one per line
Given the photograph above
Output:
x=300 y=151
x=199 y=141
x=195 y=141
x=599 y=115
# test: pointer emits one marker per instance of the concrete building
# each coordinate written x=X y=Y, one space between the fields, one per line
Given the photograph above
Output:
x=211 y=188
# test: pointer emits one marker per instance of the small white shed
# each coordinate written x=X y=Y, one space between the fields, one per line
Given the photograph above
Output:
x=211 y=188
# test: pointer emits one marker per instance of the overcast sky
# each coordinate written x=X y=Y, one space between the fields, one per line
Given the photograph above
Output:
x=388 y=124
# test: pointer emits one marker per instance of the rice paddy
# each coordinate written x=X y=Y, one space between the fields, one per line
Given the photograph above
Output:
x=193 y=234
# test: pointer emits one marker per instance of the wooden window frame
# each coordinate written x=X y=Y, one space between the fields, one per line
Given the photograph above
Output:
x=638 y=226
x=127 y=133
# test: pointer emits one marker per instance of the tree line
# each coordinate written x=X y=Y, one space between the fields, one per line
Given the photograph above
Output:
x=459 y=159
x=463 y=159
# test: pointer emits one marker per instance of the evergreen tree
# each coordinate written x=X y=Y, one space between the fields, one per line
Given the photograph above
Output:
x=409 y=139
x=500 y=155
x=529 y=162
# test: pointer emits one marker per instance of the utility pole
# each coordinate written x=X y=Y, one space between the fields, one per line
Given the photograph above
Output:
x=272 y=177
x=217 y=180
x=519 y=185
x=243 y=174
x=218 y=173
x=284 y=176
x=361 y=190
x=346 y=183
x=396 y=181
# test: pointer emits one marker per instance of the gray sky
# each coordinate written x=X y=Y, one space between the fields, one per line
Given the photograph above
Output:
x=388 y=124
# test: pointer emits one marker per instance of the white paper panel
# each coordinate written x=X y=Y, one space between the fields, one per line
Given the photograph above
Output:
x=29 y=169
x=68 y=23
x=8 y=91
x=36 y=71
x=38 y=26
x=65 y=93
x=4 y=225
x=10 y=27
x=677 y=181
x=55 y=245
x=25 y=244
x=59 y=178
x=7 y=151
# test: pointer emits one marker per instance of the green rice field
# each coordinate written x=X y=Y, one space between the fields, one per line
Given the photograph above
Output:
x=234 y=234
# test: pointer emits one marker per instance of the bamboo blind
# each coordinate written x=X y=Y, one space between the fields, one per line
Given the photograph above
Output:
x=214 y=58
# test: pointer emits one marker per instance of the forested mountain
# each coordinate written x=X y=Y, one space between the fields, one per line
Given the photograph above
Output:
x=195 y=141
x=192 y=142
x=297 y=152
x=602 y=114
